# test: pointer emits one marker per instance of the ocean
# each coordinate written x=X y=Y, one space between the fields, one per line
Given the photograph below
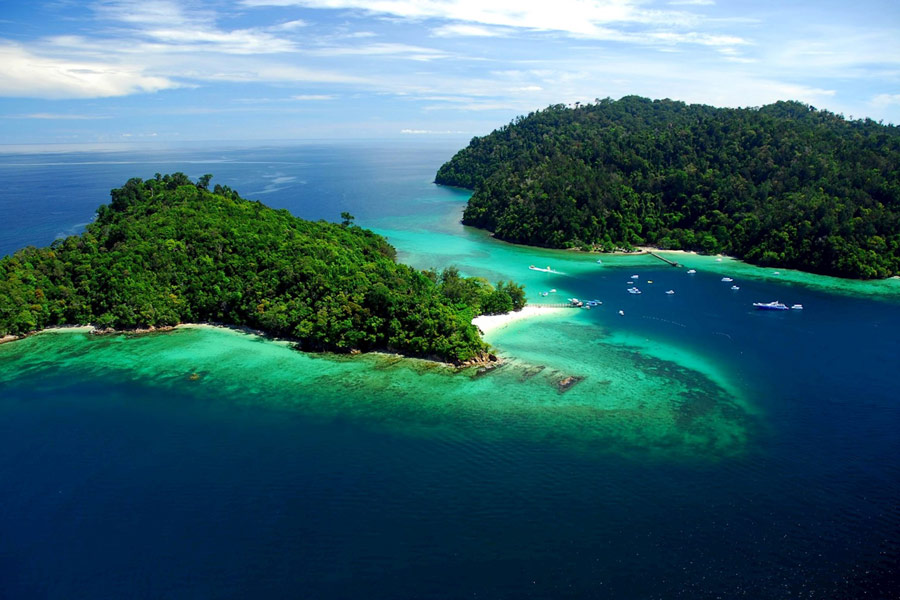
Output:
x=708 y=450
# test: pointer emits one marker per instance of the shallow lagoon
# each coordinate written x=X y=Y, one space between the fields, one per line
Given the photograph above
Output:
x=709 y=449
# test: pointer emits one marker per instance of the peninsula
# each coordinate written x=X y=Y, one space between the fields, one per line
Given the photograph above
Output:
x=782 y=185
x=168 y=250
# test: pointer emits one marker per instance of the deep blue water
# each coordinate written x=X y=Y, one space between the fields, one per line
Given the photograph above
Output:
x=115 y=487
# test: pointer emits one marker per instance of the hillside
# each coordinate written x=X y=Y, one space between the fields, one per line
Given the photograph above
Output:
x=784 y=184
x=167 y=251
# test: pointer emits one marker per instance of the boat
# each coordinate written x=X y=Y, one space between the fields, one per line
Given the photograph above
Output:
x=547 y=270
x=727 y=279
x=553 y=291
x=735 y=288
x=691 y=271
x=718 y=260
x=774 y=305
x=649 y=281
x=670 y=292
x=633 y=290
x=622 y=312
x=797 y=307
x=544 y=294
x=599 y=262
x=776 y=273
x=634 y=277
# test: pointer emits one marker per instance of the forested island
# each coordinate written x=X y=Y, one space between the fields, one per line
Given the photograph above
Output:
x=784 y=184
x=168 y=250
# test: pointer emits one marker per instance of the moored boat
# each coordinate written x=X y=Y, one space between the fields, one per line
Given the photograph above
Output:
x=774 y=305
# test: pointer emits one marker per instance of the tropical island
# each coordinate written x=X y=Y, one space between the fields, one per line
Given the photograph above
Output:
x=783 y=184
x=168 y=251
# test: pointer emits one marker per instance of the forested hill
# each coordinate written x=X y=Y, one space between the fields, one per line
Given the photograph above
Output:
x=784 y=184
x=167 y=251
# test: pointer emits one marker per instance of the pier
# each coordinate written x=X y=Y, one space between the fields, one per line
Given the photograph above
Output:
x=555 y=305
x=664 y=259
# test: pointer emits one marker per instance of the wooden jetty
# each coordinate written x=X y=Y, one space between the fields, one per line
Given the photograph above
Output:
x=664 y=259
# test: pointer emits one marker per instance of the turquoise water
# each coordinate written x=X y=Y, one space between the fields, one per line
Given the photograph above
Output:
x=707 y=449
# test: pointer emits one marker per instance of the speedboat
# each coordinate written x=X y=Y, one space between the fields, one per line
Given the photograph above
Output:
x=599 y=262
x=670 y=292
x=797 y=307
x=634 y=277
x=622 y=312
x=774 y=305
x=553 y=291
x=691 y=271
x=735 y=288
x=727 y=279
x=547 y=270
x=634 y=290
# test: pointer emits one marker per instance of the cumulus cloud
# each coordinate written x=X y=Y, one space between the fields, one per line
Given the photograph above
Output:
x=24 y=74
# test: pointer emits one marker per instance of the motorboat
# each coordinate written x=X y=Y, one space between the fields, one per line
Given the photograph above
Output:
x=670 y=292
x=547 y=270
x=622 y=312
x=735 y=288
x=774 y=305
x=634 y=277
x=691 y=271
x=727 y=279
x=634 y=290
x=797 y=307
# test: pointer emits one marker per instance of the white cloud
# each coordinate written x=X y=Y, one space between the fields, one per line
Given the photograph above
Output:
x=290 y=25
x=313 y=97
x=884 y=100
x=462 y=30
x=383 y=49
x=577 y=17
x=24 y=74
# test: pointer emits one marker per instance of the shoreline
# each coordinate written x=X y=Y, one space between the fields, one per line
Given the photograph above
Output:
x=490 y=323
x=487 y=359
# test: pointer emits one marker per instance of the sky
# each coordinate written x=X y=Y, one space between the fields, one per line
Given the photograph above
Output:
x=112 y=71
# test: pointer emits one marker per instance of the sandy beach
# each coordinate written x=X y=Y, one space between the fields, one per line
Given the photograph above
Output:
x=489 y=323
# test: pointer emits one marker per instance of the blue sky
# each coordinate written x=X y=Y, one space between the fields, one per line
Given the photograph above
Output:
x=108 y=71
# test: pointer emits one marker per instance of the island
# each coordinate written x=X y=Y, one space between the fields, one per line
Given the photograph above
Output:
x=168 y=251
x=784 y=184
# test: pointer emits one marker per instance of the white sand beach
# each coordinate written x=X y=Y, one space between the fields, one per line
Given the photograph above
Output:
x=488 y=323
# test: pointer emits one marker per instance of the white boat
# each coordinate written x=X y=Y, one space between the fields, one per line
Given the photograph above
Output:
x=797 y=307
x=776 y=273
x=547 y=270
x=727 y=279
x=691 y=271
x=622 y=312
x=774 y=305
x=634 y=290
x=735 y=288
x=718 y=260
x=634 y=277
x=670 y=292
x=599 y=262
x=553 y=291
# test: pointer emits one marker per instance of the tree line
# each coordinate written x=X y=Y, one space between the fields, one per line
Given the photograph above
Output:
x=167 y=250
x=784 y=184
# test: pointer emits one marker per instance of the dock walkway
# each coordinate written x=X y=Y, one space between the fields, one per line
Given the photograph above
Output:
x=664 y=259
